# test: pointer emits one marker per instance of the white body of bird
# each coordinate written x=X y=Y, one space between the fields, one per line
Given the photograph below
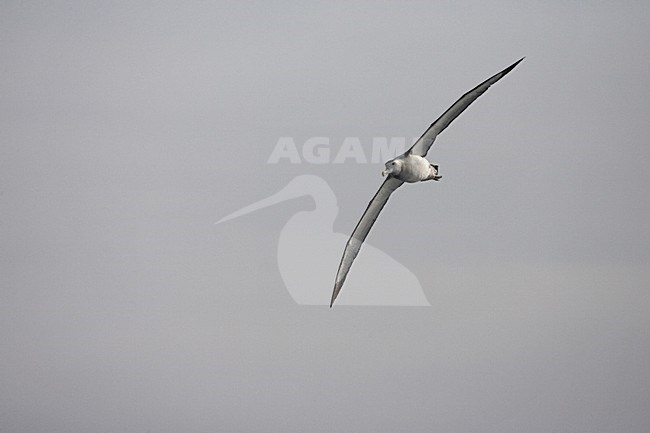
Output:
x=411 y=168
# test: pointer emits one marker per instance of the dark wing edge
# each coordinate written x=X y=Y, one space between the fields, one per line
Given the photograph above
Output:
x=424 y=143
x=361 y=231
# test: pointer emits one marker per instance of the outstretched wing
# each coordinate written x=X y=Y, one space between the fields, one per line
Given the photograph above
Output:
x=424 y=143
x=361 y=231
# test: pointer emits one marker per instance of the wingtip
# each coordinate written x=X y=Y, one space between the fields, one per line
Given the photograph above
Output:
x=511 y=67
x=335 y=293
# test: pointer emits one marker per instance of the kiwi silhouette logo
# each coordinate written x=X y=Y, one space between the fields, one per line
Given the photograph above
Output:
x=309 y=252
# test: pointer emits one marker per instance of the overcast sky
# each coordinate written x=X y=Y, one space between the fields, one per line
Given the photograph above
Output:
x=128 y=128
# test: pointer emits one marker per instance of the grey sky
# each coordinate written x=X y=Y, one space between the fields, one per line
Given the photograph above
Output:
x=128 y=128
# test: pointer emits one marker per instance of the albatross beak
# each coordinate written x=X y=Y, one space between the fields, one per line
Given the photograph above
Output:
x=385 y=172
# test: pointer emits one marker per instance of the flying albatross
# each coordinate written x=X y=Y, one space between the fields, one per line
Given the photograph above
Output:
x=410 y=167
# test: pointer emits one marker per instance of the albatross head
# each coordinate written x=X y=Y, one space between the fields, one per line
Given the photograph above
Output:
x=394 y=166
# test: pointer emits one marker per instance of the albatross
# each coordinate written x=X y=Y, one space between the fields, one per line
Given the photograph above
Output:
x=410 y=167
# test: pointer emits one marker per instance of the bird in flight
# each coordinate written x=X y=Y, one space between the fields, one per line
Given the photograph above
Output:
x=410 y=167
